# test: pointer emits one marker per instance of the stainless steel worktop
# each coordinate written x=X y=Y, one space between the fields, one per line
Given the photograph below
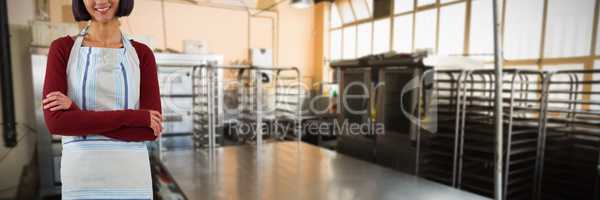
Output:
x=292 y=170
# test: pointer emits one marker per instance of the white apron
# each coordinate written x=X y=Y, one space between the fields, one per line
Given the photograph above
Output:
x=94 y=166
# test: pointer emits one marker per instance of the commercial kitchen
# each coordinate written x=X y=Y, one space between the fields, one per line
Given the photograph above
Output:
x=315 y=99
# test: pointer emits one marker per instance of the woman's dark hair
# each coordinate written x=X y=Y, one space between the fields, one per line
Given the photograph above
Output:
x=81 y=14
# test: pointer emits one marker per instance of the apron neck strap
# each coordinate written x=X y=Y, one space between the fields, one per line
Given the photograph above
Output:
x=85 y=30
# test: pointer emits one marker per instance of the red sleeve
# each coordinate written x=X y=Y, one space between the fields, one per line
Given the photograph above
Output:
x=149 y=96
x=75 y=122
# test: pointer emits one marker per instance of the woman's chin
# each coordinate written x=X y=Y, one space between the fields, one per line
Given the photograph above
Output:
x=103 y=19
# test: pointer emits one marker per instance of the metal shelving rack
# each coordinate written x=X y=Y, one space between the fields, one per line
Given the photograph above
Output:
x=176 y=73
x=203 y=88
x=248 y=94
x=521 y=122
x=462 y=152
x=570 y=166
x=210 y=113
x=288 y=100
x=438 y=153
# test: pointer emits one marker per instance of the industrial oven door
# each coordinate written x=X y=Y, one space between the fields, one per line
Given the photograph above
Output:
x=355 y=93
x=395 y=147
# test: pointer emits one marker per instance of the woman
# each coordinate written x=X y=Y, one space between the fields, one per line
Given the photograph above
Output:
x=101 y=94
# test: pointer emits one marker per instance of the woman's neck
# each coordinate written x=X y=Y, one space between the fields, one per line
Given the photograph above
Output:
x=104 y=34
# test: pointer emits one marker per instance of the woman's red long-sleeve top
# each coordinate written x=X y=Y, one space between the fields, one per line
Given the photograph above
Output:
x=125 y=125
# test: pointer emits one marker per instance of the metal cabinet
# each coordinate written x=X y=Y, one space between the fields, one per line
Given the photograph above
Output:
x=356 y=111
x=374 y=97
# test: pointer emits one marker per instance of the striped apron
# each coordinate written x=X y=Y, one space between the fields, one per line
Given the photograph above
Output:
x=94 y=166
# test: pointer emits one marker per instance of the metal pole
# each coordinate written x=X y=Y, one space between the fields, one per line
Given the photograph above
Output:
x=457 y=128
x=498 y=56
x=259 y=106
x=210 y=106
x=299 y=106
x=542 y=134
x=8 y=107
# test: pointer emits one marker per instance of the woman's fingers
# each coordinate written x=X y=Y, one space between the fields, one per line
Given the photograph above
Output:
x=50 y=99
x=159 y=124
x=53 y=96
x=160 y=120
x=52 y=104
x=56 y=101
x=156 y=118
x=155 y=122
x=59 y=107
x=156 y=128
x=156 y=113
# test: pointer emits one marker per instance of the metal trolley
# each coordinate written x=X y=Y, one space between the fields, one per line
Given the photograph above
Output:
x=552 y=148
x=522 y=106
x=461 y=153
x=437 y=149
x=253 y=99
x=571 y=145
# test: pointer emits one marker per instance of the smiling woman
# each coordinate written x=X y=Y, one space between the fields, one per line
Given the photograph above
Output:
x=101 y=94
x=102 y=10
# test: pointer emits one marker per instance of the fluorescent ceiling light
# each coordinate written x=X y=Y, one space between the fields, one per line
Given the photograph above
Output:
x=302 y=4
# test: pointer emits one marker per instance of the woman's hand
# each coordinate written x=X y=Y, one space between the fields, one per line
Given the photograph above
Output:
x=155 y=122
x=56 y=101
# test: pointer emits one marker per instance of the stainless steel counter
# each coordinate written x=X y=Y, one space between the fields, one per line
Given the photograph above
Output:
x=291 y=170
